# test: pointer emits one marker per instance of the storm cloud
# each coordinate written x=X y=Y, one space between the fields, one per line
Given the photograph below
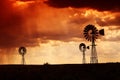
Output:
x=102 y=5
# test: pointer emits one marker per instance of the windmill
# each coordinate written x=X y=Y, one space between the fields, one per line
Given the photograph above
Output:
x=22 y=51
x=91 y=33
x=82 y=48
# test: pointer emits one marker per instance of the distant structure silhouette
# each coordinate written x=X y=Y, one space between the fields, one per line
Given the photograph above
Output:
x=91 y=34
x=22 y=51
x=82 y=48
x=46 y=63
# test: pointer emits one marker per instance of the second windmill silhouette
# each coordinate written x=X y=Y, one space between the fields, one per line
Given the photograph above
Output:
x=22 y=51
x=82 y=48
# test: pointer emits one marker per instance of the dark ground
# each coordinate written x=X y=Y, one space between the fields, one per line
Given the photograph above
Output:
x=109 y=71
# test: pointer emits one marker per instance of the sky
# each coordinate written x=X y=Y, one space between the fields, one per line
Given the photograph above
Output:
x=51 y=30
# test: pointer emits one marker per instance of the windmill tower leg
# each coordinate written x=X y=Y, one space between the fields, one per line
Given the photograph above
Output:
x=23 y=60
x=84 y=61
x=94 y=58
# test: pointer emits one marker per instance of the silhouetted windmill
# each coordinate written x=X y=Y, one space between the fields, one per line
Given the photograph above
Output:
x=91 y=34
x=22 y=51
x=82 y=48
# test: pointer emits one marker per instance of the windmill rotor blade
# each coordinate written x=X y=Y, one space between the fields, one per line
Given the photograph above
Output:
x=85 y=29
x=96 y=31
x=85 y=36
x=88 y=39
x=96 y=34
x=94 y=28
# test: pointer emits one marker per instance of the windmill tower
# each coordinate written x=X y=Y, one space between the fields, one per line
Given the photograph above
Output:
x=91 y=34
x=22 y=52
x=82 y=48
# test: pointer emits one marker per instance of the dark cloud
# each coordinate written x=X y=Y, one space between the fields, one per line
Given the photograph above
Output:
x=102 y=5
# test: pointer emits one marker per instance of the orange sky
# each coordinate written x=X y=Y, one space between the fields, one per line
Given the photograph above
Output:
x=52 y=32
